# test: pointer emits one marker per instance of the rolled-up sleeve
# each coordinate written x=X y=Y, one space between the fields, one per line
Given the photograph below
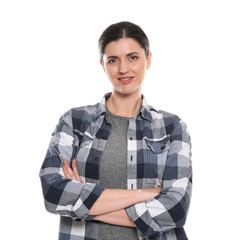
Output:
x=169 y=209
x=63 y=196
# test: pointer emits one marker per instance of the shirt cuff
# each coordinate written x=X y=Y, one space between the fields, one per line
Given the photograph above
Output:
x=89 y=218
x=142 y=222
x=93 y=192
x=89 y=195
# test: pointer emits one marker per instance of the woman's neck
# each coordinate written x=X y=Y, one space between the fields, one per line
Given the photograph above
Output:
x=126 y=105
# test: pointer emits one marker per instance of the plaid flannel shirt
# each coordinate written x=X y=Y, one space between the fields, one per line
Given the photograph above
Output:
x=158 y=153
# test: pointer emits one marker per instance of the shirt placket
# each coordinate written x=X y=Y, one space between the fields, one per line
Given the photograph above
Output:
x=131 y=155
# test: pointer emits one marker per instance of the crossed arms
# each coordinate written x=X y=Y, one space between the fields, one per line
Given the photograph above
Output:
x=110 y=205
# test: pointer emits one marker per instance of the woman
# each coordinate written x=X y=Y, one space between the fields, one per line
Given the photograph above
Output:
x=119 y=169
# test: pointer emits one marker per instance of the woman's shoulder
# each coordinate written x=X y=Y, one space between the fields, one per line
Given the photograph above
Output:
x=169 y=120
x=167 y=116
x=76 y=116
x=79 y=112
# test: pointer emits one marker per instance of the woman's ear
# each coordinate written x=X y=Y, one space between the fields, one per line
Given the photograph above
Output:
x=149 y=60
x=102 y=64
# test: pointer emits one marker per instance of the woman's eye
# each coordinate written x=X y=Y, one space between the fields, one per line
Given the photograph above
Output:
x=133 y=57
x=112 y=61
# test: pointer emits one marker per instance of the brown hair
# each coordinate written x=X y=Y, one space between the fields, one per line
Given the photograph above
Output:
x=123 y=30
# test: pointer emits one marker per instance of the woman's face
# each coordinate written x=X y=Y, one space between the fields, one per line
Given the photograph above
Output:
x=125 y=64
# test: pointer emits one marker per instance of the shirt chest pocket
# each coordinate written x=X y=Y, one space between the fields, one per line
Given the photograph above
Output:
x=155 y=156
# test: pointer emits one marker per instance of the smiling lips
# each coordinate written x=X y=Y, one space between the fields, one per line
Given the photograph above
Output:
x=125 y=80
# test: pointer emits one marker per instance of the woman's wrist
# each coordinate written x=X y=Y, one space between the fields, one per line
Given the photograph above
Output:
x=149 y=193
x=119 y=217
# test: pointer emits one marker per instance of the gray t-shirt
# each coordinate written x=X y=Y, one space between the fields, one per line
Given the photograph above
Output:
x=113 y=173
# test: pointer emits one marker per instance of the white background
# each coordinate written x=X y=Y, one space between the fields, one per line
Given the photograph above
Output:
x=49 y=63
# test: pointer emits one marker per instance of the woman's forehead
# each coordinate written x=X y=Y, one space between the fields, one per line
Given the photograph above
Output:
x=123 y=46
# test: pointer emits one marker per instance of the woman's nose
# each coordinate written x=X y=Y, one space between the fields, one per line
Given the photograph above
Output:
x=123 y=67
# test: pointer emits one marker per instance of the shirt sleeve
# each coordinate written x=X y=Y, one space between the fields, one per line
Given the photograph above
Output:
x=168 y=209
x=63 y=196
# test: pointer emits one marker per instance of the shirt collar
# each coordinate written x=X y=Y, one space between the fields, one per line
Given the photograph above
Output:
x=145 y=109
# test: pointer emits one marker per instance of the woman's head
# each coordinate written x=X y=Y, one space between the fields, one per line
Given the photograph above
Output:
x=123 y=30
x=125 y=56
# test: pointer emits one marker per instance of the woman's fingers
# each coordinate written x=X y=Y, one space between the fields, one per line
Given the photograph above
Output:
x=75 y=171
x=69 y=173
x=68 y=170
x=65 y=172
x=65 y=164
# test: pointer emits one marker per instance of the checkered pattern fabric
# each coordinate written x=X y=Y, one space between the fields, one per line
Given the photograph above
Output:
x=158 y=154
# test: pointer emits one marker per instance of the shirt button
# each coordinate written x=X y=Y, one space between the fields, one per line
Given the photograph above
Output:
x=131 y=138
x=163 y=147
x=104 y=137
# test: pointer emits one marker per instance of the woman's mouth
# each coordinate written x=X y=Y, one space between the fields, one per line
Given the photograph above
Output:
x=125 y=80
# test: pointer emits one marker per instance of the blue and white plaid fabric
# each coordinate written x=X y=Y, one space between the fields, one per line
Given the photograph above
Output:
x=159 y=153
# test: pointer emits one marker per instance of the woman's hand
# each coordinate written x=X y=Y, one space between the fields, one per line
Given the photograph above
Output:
x=69 y=173
x=150 y=193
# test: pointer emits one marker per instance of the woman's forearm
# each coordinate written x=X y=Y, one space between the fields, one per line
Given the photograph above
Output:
x=112 y=200
x=119 y=217
x=116 y=199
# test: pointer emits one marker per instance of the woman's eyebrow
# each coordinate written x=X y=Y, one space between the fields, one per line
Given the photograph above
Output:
x=129 y=54
x=112 y=57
